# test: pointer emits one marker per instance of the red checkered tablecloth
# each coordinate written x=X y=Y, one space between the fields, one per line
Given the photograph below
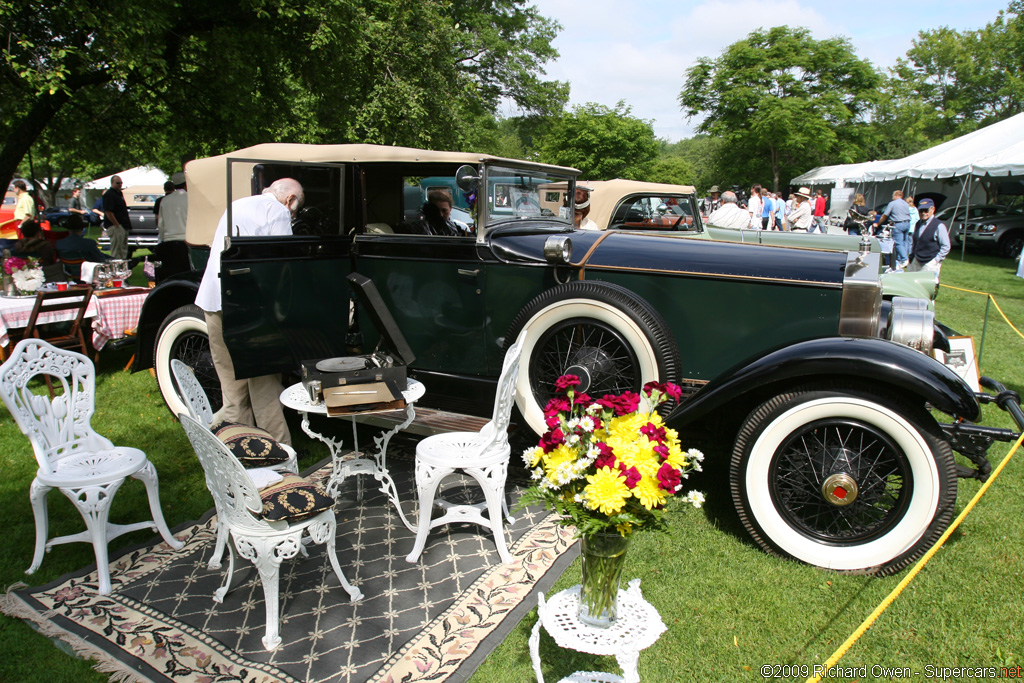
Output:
x=117 y=313
x=15 y=312
x=112 y=314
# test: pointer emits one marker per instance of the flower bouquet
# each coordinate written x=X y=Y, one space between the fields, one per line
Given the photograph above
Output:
x=26 y=274
x=608 y=466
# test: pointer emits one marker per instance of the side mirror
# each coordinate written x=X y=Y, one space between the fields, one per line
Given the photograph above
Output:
x=466 y=178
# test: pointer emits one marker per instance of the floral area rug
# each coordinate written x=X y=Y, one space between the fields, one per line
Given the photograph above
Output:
x=434 y=621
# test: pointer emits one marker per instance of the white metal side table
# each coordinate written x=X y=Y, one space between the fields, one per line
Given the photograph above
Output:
x=637 y=627
x=345 y=465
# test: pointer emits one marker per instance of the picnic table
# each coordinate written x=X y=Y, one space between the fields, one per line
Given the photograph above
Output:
x=113 y=312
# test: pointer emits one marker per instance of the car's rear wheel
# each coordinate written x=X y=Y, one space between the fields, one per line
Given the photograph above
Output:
x=612 y=339
x=184 y=336
x=843 y=480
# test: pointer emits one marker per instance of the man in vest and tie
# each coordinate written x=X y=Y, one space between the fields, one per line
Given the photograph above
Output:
x=929 y=240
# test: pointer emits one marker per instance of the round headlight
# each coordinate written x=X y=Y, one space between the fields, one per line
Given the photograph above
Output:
x=557 y=249
x=912 y=324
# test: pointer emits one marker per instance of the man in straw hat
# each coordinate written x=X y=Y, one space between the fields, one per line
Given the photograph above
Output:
x=801 y=217
x=710 y=204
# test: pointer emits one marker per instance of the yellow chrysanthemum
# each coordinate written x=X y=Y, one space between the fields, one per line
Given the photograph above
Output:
x=607 y=491
x=676 y=457
x=649 y=493
x=557 y=457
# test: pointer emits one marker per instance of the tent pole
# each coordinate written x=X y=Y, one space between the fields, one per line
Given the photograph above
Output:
x=963 y=225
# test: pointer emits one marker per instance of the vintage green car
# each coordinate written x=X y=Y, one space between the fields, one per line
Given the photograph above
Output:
x=818 y=388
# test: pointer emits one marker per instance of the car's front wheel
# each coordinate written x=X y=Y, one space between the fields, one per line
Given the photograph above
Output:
x=612 y=339
x=843 y=480
x=1011 y=244
x=183 y=336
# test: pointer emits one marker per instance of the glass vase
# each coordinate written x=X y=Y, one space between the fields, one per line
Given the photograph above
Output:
x=603 y=556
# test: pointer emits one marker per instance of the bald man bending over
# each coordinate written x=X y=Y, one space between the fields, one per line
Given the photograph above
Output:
x=254 y=401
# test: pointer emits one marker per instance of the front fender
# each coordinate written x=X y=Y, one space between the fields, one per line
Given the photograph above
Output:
x=872 y=360
x=161 y=302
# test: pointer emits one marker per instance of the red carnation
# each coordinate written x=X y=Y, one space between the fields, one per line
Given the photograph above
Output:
x=558 y=404
x=668 y=477
x=567 y=381
x=652 y=432
x=631 y=474
x=607 y=457
x=552 y=440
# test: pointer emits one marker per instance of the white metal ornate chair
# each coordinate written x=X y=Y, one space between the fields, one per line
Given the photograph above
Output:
x=482 y=455
x=266 y=544
x=86 y=467
x=199 y=409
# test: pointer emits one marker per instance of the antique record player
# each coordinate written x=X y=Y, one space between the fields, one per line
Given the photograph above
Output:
x=373 y=381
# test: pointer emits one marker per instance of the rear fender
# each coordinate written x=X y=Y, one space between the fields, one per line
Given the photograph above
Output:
x=865 y=360
x=164 y=299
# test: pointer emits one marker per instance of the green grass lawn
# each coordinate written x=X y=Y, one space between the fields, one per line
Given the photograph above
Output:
x=729 y=607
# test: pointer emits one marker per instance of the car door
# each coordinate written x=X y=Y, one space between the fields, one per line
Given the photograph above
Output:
x=285 y=298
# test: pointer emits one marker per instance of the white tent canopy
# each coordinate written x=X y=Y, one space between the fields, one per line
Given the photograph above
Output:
x=827 y=175
x=140 y=175
x=995 y=150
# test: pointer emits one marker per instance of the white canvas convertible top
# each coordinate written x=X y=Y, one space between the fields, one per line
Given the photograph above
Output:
x=207 y=178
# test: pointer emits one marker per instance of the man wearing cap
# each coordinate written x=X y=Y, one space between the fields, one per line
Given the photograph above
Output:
x=929 y=241
x=710 y=204
x=898 y=213
x=171 y=251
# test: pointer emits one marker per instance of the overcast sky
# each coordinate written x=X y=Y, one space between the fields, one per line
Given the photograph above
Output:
x=639 y=52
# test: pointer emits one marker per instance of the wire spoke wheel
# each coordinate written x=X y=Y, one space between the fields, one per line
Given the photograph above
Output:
x=593 y=351
x=853 y=480
x=841 y=481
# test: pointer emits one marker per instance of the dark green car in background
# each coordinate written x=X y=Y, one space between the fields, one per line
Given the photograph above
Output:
x=819 y=387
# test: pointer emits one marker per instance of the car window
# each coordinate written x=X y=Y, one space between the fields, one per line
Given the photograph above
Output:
x=653 y=212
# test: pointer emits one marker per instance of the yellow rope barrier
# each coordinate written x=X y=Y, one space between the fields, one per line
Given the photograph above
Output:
x=884 y=605
x=993 y=300
x=867 y=623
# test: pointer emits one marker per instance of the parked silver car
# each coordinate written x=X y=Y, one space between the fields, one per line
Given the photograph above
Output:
x=1000 y=231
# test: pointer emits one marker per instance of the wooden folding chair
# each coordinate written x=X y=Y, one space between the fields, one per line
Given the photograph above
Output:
x=73 y=299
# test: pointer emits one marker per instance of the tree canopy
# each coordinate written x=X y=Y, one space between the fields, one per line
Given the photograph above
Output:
x=782 y=101
x=602 y=142
x=173 y=77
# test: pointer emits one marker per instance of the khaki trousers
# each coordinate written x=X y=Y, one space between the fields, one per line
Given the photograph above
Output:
x=255 y=401
x=118 y=242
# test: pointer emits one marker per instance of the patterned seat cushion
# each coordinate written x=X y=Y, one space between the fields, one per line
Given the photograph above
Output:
x=251 y=445
x=294 y=499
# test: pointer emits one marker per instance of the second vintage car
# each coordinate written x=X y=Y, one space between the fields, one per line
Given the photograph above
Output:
x=818 y=388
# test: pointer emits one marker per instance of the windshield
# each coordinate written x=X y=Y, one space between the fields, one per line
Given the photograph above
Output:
x=517 y=194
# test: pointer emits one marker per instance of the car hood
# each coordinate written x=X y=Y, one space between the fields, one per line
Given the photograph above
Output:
x=621 y=250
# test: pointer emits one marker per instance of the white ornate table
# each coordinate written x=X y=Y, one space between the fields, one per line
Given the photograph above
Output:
x=355 y=463
x=637 y=627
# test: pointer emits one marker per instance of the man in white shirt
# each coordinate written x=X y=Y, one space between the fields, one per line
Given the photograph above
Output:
x=254 y=401
x=729 y=214
x=171 y=251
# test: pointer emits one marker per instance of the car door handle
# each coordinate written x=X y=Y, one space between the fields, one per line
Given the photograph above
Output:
x=471 y=273
x=238 y=271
